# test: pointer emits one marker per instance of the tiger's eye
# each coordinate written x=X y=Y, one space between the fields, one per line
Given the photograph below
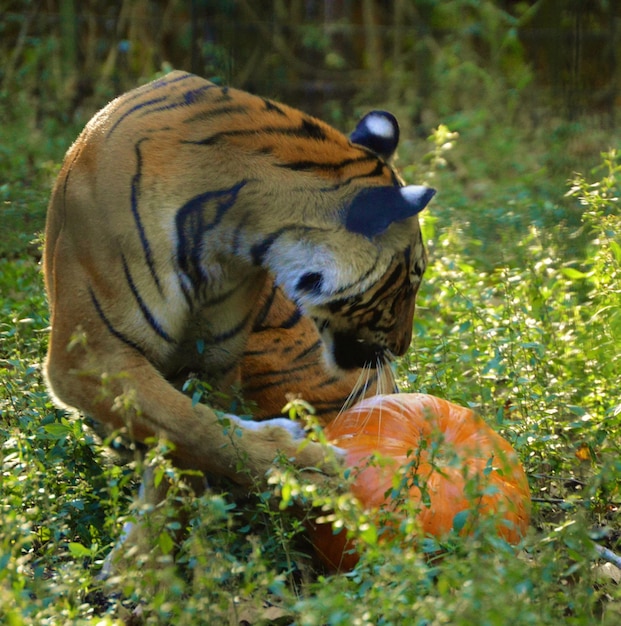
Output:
x=311 y=282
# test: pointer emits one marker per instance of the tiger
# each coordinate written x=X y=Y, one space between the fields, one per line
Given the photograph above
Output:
x=173 y=212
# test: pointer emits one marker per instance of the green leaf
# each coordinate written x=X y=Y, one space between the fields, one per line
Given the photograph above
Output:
x=460 y=520
x=78 y=550
x=196 y=397
x=285 y=498
x=165 y=543
x=158 y=476
x=369 y=534
x=573 y=274
x=489 y=466
x=577 y=410
x=56 y=431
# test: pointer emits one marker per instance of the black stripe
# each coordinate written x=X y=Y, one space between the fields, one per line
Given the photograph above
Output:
x=290 y=373
x=332 y=407
x=260 y=318
x=258 y=352
x=362 y=301
x=320 y=409
x=312 y=130
x=190 y=98
x=220 y=298
x=306 y=130
x=111 y=328
x=237 y=233
x=135 y=108
x=192 y=223
x=313 y=348
x=377 y=171
x=360 y=279
x=259 y=322
x=259 y=250
x=225 y=96
x=140 y=93
x=335 y=165
x=389 y=282
x=272 y=106
x=155 y=325
x=229 y=109
x=235 y=330
x=186 y=292
x=407 y=257
x=292 y=320
x=212 y=112
x=135 y=199
x=165 y=81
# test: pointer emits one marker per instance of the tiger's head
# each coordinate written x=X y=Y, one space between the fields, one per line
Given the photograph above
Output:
x=356 y=270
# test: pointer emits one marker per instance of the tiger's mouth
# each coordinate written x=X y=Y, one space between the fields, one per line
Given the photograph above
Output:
x=351 y=352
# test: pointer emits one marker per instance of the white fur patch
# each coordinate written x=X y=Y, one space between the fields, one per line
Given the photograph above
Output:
x=295 y=429
x=291 y=261
x=380 y=126
x=413 y=194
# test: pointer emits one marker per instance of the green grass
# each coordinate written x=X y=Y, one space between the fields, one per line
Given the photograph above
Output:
x=519 y=317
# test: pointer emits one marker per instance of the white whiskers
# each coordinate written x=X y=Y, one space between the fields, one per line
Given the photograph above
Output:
x=384 y=384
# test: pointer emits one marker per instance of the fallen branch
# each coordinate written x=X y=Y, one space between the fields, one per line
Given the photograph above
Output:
x=608 y=555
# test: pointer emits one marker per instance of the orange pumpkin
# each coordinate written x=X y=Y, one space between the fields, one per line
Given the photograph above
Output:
x=450 y=459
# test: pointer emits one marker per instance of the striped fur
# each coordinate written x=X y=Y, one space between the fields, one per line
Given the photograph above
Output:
x=284 y=360
x=174 y=211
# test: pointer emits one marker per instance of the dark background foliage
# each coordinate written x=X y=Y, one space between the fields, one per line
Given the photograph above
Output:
x=563 y=53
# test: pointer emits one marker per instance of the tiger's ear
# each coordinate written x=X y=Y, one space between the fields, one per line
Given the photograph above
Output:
x=374 y=209
x=378 y=131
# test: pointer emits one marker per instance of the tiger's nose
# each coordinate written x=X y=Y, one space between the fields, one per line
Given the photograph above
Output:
x=401 y=343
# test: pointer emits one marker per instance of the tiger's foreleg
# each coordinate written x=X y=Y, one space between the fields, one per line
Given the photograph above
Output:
x=130 y=394
x=133 y=396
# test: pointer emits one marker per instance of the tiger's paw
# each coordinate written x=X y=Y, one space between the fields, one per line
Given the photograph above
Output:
x=269 y=440
x=306 y=480
x=295 y=429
